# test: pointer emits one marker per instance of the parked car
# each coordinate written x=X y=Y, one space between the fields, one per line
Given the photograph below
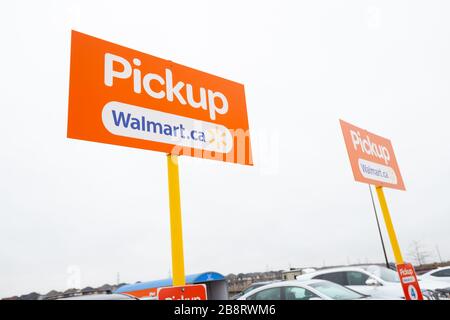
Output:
x=376 y=281
x=112 y=296
x=250 y=288
x=441 y=274
x=303 y=290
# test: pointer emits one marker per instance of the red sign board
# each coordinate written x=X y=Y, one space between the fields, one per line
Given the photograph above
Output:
x=190 y=292
x=409 y=282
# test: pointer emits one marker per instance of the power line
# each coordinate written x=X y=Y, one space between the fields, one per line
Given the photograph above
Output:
x=379 y=229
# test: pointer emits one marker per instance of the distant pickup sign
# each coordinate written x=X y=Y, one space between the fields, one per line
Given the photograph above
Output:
x=372 y=158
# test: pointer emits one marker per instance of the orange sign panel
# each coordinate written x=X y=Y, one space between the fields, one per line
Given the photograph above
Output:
x=125 y=97
x=189 y=292
x=372 y=158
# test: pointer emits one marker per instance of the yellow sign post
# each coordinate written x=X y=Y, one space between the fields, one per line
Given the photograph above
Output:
x=176 y=230
x=389 y=226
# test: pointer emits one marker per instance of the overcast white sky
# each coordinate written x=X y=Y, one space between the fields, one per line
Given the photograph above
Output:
x=80 y=212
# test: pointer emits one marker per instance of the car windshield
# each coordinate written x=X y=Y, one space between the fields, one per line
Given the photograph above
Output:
x=335 y=291
x=384 y=273
x=251 y=287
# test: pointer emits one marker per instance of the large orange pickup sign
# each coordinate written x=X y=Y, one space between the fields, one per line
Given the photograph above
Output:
x=372 y=158
x=124 y=97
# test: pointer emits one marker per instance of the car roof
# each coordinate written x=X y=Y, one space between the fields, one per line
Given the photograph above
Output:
x=262 y=283
x=290 y=283
x=442 y=268
x=435 y=270
x=112 y=296
x=303 y=283
x=328 y=270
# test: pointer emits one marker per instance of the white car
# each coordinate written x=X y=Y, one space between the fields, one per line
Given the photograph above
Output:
x=375 y=281
x=303 y=290
x=109 y=296
x=251 y=287
x=440 y=274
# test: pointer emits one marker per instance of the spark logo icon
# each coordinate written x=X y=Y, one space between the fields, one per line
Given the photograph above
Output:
x=218 y=138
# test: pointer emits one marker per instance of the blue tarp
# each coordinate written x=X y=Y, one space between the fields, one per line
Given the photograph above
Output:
x=190 y=279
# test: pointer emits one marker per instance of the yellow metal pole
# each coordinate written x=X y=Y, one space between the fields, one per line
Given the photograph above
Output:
x=389 y=226
x=176 y=229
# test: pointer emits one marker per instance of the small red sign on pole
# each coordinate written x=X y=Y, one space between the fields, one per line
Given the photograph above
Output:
x=190 y=292
x=409 y=281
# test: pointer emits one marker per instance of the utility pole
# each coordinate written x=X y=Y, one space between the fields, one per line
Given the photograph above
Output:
x=379 y=229
x=439 y=253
